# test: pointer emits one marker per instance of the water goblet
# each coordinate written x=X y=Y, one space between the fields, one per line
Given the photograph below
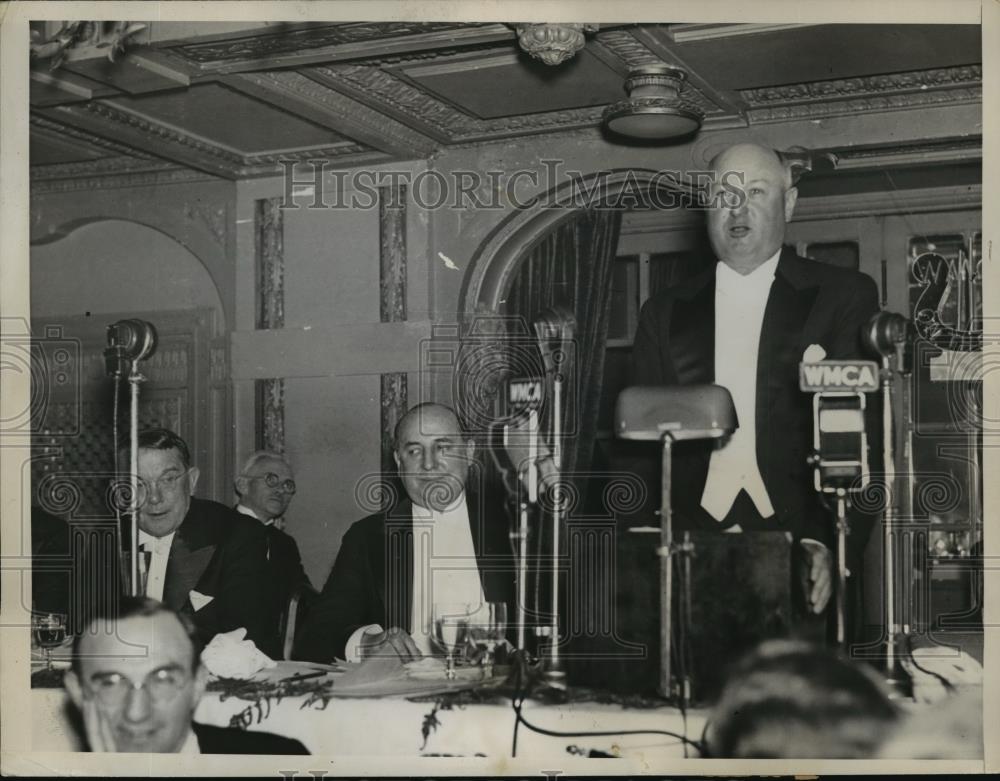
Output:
x=49 y=631
x=451 y=629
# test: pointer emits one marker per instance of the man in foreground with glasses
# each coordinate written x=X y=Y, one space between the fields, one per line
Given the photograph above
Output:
x=137 y=678
x=202 y=558
x=440 y=544
x=265 y=487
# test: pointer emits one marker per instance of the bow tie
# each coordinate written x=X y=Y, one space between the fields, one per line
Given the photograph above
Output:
x=157 y=545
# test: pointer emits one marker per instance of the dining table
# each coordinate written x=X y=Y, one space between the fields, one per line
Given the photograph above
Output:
x=388 y=709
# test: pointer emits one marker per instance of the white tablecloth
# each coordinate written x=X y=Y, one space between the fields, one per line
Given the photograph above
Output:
x=391 y=726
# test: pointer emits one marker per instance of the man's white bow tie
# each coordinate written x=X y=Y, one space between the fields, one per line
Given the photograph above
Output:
x=157 y=545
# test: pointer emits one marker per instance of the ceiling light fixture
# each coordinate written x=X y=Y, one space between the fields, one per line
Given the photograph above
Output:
x=553 y=43
x=654 y=109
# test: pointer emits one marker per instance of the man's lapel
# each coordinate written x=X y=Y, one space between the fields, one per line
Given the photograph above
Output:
x=789 y=303
x=190 y=554
x=494 y=557
x=692 y=330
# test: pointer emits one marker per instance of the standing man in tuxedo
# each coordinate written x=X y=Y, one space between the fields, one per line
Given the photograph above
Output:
x=744 y=323
x=205 y=560
x=265 y=487
x=441 y=543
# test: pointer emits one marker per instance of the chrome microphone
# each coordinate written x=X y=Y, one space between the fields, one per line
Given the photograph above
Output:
x=129 y=341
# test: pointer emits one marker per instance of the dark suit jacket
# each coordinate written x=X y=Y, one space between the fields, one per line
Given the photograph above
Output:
x=372 y=578
x=216 y=552
x=809 y=303
x=286 y=576
x=220 y=553
x=220 y=740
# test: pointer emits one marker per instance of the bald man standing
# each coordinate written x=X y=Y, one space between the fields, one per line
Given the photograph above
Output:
x=744 y=323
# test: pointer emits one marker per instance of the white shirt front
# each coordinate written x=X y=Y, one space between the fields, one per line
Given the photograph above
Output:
x=159 y=548
x=190 y=744
x=740 y=301
x=244 y=510
x=445 y=569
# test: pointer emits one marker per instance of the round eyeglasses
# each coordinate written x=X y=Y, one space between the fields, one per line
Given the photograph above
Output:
x=162 y=685
x=164 y=483
x=273 y=481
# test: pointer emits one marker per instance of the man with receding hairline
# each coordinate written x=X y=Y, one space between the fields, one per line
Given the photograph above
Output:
x=744 y=323
x=137 y=677
x=430 y=547
x=202 y=558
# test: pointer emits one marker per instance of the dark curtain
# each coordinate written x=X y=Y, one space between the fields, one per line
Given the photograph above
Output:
x=572 y=267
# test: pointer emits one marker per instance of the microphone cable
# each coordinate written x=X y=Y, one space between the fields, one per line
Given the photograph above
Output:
x=517 y=703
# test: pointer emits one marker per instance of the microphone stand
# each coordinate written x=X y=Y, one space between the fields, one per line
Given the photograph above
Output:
x=553 y=664
x=521 y=535
x=134 y=379
x=896 y=677
x=842 y=504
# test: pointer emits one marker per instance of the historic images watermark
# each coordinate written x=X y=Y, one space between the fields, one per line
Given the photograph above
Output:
x=314 y=184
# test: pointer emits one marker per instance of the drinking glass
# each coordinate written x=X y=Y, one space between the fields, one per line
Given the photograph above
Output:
x=491 y=626
x=49 y=630
x=451 y=629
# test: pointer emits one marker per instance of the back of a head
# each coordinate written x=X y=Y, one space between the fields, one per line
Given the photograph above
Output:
x=789 y=699
x=106 y=619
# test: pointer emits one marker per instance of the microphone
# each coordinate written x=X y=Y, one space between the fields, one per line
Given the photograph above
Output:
x=520 y=445
x=129 y=341
x=840 y=443
x=884 y=332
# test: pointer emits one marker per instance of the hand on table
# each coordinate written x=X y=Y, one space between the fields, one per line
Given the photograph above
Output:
x=390 y=641
x=816 y=573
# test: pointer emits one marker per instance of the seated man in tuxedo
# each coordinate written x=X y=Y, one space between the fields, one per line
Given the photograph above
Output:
x=432 y=546
x=744 y=323
x=265 y=486
x=137 y=677
x=204 y=559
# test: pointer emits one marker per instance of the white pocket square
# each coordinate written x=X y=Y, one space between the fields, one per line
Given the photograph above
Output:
x=198 y=600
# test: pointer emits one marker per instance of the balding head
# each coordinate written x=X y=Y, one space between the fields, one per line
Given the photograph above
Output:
x=433 y=455
x=749 y=228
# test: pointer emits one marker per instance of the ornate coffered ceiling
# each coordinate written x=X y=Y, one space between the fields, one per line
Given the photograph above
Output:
x=233 y=101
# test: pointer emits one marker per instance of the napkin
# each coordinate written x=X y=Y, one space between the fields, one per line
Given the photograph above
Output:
x=813 y=353
x=199 y=600
x=229 y=655
x=929 y=667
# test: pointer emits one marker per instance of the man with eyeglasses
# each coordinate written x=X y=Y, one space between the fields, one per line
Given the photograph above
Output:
x=265 y=487
x=137 y=678
x=201 y=558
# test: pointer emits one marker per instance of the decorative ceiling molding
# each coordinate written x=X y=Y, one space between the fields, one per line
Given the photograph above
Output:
x=270 y=49
x=171 y=143
x=865 y=94
x=309 y=98
x=929 y=199
x=626 y=48
x=958 y=151
x=60 y=132
x=683 y=33
x=101 y=167
x=77 y=183
x=442 y=120
x=824 y=207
